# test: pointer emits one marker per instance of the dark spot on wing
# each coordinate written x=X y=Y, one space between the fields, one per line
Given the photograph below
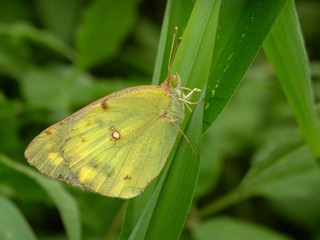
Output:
x=104 y=105
x=127 y=177
x=163 y=114
x=100 y=122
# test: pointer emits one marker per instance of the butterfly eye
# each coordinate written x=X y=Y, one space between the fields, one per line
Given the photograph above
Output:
x=173 y=83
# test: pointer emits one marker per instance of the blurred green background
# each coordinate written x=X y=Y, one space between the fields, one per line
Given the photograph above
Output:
x=58 y=56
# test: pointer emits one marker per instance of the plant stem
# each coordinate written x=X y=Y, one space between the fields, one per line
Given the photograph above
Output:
x=225 y=201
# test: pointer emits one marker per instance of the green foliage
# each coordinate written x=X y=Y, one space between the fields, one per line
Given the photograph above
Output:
x=13 y=224
x=227 y=228
x=257 y=162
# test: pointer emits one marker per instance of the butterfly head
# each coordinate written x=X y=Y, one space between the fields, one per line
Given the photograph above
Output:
x=172 y=85
x=174 y=81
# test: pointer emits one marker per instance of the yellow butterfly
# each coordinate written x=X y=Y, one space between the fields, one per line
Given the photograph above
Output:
x=116 y=145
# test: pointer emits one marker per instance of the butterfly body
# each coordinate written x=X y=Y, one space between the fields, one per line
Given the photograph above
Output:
x=116 y=145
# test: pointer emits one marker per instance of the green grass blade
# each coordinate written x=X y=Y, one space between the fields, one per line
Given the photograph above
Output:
x=177 y=191
x=166 y=212
x=173 y=17
x=243 y=26
x=285 y=49
x=174 y=191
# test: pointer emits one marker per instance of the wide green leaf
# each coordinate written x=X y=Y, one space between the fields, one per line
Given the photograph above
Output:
x=65 y=203
x=227 y=228
x=16 y=56
x=63 y=26
x=12 y=223
x=103 y=30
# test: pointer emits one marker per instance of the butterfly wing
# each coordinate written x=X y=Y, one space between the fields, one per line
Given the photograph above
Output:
x=114 y=146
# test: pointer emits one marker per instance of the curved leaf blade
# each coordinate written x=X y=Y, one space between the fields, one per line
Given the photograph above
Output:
x=285 y=49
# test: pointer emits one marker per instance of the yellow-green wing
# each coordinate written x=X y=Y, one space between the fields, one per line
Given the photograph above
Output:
x=114 y=146
x=45 y=153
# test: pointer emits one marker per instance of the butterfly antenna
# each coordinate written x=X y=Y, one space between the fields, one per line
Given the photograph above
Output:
x=173 y=49
x=176 y=48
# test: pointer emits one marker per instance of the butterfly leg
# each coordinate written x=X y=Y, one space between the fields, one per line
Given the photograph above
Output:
x=174 y=122
x=184 y=100
x=189 y=108
x=188 y=96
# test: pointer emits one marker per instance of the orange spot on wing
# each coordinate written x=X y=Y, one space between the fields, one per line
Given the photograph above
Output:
x=50 y=131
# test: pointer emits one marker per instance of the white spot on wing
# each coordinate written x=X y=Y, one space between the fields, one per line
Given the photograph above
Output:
x=116 y=135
